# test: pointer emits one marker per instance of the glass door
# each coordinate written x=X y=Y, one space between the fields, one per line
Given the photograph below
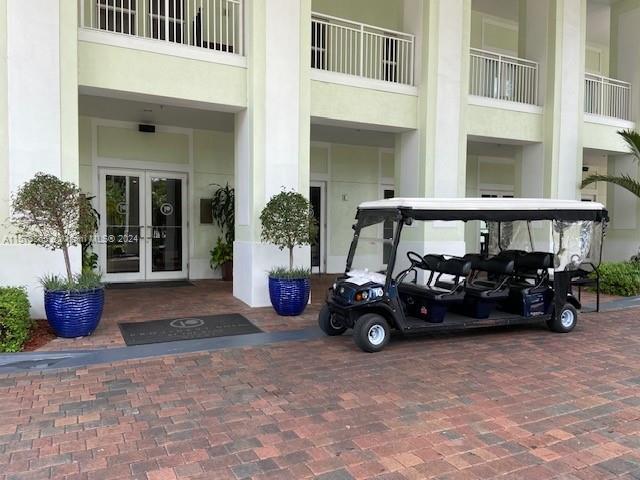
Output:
x=166 y=227
x=143 y=225
x=121 y=242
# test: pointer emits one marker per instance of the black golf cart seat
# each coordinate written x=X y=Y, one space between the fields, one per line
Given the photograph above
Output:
x=457 y=267
x=501 y=268
x=531 y=271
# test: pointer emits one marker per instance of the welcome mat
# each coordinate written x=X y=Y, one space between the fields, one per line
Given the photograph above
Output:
x=191 y=328
x=165 y=284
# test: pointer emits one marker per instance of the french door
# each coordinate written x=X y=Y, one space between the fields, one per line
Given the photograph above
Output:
x=143 y=225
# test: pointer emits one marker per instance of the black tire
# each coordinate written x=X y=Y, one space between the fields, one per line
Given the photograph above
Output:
x=368 y=330
x=565 y=321
x=327 y=323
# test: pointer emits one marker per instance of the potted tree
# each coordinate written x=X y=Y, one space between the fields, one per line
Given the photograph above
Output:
x=223 y=213
x=52 y=213
x=287 y=222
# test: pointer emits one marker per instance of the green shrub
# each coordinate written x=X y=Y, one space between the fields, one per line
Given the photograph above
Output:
x=83 y=282
x=284 y=273
x=15 y=322
x=620 y=278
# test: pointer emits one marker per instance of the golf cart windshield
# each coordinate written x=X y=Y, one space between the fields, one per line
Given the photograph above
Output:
x=373 y=243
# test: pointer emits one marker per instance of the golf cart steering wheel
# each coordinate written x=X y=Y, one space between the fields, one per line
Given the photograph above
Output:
x=416 y=260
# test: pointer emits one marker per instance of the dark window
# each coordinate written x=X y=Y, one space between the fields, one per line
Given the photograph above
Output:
x=158 y=20
x=318 y=45
x=315 y=198
x=390 y=60
x=117 y=16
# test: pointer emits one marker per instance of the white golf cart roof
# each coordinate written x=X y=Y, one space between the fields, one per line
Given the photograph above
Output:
x=448 y=204
x=500 y=209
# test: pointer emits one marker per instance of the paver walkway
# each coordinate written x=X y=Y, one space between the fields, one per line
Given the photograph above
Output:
x=517 y=403
x=205 y=297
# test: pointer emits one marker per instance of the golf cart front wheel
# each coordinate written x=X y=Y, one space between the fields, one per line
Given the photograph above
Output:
x=563 y=321
x=371 y=332
x=329 y=324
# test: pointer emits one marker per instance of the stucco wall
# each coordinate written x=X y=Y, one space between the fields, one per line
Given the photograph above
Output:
x=353 y=174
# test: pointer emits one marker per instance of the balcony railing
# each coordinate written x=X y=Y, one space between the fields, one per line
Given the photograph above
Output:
x=607 y=97
x=503 y=77
x=209 y=24
x=353 y=48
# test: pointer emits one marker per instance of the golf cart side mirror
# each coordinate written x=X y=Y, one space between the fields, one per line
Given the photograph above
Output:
x=408 y=221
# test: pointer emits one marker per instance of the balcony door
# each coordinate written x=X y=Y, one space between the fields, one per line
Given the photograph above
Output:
x=143 y=225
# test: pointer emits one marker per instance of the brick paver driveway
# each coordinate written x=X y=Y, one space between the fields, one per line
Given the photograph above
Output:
x=524 y=403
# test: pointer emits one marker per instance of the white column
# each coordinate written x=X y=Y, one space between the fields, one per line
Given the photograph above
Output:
x=42 y=120
x=625 y=38
x=272 y=135
x=431 y=161
x=532 y=171
x=564 y=103
x=533 y=38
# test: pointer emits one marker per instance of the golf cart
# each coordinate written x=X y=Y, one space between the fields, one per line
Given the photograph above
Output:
x=524 y=275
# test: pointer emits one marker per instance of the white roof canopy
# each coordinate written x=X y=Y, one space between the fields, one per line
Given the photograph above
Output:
x=480 y=204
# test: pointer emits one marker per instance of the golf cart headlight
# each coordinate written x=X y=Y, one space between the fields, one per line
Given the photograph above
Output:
x=362 y=295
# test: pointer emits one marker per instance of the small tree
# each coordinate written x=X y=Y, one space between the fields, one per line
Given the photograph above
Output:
x=47 y=212
x=288 y=221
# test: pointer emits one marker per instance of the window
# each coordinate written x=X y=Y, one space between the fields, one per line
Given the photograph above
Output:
x=158 y=20
x=117 y=16
x=390 y=60
x=319 y=45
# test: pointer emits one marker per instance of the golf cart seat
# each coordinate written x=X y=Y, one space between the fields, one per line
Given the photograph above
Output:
x=500 y=267
x=531 y=269
x=457 y=267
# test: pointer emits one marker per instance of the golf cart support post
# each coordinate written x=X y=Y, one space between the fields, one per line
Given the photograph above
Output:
x=577 y=221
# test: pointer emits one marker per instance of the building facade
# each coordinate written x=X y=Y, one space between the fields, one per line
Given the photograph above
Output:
x=148 y=104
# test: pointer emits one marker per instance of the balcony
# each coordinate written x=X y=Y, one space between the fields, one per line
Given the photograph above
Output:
x=607 y=97
x=357 y=49
x=205 y=25
x=503 y=77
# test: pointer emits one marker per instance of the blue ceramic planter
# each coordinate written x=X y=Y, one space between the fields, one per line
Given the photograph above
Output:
x=289 y=297
x=74 y=314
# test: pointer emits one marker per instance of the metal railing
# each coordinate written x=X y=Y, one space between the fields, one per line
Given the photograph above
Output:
x=342 y=46
x=607 y=97
x=210 y=24
x=503 y=77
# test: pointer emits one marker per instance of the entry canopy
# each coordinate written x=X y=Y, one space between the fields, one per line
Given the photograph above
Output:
x=487 y=209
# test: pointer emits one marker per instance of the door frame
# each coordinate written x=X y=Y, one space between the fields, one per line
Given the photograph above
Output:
x=150 y=275
x=323 y=225
x=102 y=228
x=145 y=273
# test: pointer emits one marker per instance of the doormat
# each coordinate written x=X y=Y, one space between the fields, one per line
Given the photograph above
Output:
x=191 y=328
x=165 y=284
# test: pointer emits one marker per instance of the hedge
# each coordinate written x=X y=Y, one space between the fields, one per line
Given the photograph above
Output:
x=15 y=322
x=620 y=278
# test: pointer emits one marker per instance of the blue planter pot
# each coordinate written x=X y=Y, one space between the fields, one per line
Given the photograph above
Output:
x=289 y=297
x=74 y=314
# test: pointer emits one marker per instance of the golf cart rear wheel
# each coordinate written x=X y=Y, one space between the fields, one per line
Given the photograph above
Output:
x=371 y=332
x=565 y=320
x=329 y=324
